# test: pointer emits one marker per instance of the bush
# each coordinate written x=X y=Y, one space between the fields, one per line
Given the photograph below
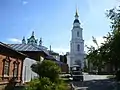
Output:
x=49 y=79
x=40 y=84
x=47 y=69
x=46 y=84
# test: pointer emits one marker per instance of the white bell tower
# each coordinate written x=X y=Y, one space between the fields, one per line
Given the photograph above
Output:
x=77 y=44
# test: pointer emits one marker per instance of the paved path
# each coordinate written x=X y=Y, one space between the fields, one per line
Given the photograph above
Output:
x=97 y=82
x=94 y=77
x=98 y=85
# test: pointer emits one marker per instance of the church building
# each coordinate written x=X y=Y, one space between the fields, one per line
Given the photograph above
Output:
x=76 y=54
x=35 y=51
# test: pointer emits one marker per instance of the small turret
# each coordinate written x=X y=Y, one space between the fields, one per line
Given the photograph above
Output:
x=32 y=33
x=32 y=39
x=50 y=47
x=40 y=42
x=23 y=40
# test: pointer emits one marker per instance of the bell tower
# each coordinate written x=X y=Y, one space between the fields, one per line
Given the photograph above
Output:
x=77 y=43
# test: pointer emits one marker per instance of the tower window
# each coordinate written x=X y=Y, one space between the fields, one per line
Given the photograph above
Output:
x=77 y=34
x=78 y=47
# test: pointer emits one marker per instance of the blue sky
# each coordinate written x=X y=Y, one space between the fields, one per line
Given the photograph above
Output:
x=52 y=20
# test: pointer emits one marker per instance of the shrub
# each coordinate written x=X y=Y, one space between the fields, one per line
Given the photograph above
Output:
x=40 y=84
x=49 y=79
x=45 y=84
x=47 y=69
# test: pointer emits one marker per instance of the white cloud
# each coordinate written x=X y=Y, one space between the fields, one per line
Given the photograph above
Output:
x=24 y=2
x=14 y=40
x=61 y=50
x=91 y=43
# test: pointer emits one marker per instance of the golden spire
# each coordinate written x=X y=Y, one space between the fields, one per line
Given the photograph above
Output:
x=76 y=14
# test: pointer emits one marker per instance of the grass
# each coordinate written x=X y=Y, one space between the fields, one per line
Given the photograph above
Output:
x=66 y=80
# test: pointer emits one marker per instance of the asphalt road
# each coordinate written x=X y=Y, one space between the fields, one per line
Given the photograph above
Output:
x=96 y=83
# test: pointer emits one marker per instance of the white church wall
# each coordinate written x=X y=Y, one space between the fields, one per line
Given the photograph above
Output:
x=28 y=74
x=74 y=33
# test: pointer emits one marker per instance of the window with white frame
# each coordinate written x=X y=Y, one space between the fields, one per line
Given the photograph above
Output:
x=15 y=70
x=6 y=67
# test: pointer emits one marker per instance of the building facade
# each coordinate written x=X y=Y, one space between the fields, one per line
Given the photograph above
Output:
x=77 y=44
x=11 y=66
x=34 y=51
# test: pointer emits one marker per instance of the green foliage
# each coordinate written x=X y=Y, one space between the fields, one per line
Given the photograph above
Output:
x=47 y=69
x=109 y=51
x=49 y=79
x=40 y=84
x=85 y=69
x=94 y=57
x=114 y=38
x=61 y=85
x=45 y=84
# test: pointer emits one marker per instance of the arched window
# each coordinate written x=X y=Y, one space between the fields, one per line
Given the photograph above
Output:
x=6 y=66
x=77 y=33
x=78 y=47
x=16 y=68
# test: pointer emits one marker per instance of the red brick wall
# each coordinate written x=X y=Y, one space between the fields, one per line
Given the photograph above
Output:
x=10 y=69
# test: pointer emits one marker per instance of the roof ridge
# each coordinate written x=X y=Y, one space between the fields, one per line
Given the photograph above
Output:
x=5 y=45
x=41 y=49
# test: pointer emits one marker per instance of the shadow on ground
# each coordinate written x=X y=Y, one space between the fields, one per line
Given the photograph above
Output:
x=106 y=84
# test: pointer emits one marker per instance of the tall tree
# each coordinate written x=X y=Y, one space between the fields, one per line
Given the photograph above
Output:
x=114 y=40
x=109 y=51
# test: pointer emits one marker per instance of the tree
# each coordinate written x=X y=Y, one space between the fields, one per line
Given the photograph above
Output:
x=45 y=84
x=49 y=79
x=40 y=84
x=94 y=57
x=109 y=51
x=114 y=39
x=48 y=69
